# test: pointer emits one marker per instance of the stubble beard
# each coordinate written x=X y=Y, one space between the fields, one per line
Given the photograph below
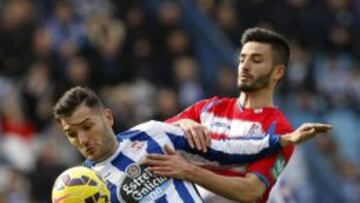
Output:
x=261 y=82
x=106 y=142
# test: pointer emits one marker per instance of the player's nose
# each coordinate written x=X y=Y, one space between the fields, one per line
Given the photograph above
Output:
x=83 y=138
x=245 y=66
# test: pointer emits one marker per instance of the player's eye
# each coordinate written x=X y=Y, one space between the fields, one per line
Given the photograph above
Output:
x=71 y=134
x=257 y=60
x=87 y=127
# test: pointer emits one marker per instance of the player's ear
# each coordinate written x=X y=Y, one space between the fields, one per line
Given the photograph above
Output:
x=279 y=72
x=109 y=119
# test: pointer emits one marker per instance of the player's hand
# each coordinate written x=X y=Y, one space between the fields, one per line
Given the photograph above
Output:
x=196 y=134
x=171 y=164
x=304 y=132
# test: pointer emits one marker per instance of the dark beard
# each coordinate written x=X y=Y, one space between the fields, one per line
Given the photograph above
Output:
x=261 y=82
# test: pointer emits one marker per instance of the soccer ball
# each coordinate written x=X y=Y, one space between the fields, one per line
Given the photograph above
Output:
x=80 y=185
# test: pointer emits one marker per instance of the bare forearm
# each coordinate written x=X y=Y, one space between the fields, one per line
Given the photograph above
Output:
x=248 y=188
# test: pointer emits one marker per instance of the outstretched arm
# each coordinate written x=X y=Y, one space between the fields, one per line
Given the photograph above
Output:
x=251 y=148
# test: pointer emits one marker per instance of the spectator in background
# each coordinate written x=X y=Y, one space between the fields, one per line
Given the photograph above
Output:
x=66 y=30
x=37 y=93
x=42 y=50
x=78 y=71
x=166 y=104
x=226 y=83
x=106 y=36
x=17 y=134
x=16 y=25
x=227 y=19
x=187 y=82
x=86 y=9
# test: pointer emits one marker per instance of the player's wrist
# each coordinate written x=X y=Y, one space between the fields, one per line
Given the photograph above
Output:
x=190 y=172
x=285 y=140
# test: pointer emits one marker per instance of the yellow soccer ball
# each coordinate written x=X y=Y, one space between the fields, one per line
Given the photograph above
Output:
x=80 y=185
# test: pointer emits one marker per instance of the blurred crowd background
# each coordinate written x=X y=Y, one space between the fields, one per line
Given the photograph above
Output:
x=149 y=59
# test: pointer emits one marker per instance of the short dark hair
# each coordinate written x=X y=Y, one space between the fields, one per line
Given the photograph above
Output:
x=280 y=47
x=72 y=99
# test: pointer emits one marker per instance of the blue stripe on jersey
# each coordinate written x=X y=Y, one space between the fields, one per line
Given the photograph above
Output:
x=112 y=187
x=246 y=138
x=121 y=161
x=152 y=146
x=183 y=192
x=162 y=199
x=225 y=158
x=127 y=134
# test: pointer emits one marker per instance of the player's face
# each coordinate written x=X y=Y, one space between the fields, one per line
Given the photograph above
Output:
x=89 y=130
x=255 y=66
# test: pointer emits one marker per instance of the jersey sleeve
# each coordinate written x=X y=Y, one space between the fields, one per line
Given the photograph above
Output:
x=230 y=150
x=226 y=151
x=269 y=168
x=193 y=112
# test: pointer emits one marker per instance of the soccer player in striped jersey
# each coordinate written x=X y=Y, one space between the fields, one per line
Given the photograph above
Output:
x=118 y=159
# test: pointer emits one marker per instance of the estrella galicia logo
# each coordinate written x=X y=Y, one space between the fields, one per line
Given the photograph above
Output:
x=141 y=185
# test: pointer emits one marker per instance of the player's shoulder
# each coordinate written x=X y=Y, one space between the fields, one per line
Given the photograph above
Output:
x=154 y=127
x=223 y=99
x=219 y=101
x=282 y=123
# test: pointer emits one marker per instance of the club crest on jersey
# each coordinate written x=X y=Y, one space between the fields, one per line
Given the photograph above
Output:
x=133 y=170
x=141 y=185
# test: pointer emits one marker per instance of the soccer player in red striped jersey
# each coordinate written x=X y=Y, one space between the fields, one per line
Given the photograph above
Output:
x=262 y=63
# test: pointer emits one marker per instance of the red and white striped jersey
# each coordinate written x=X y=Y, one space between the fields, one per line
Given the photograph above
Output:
x=225 y=117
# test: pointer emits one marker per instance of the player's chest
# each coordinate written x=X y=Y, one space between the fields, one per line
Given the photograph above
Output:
x=131 y=181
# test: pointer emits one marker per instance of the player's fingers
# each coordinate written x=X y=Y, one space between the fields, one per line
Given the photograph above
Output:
x=159 y=169
x=164 y=173
x=322 y=128
x=203 y=138
x=151 y=162
x=169 y=150
x=307 y=135
x=157 y=156
x=195 y=137
x=189 y=138
x=305 y=126
x=208 y=138
x=318 y=126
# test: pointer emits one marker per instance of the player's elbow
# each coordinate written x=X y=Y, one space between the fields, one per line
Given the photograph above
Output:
x=254 y=189
x=252 y=195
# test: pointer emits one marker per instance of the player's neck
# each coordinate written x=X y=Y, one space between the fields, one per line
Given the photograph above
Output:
x=258 y=99
x=111 y=151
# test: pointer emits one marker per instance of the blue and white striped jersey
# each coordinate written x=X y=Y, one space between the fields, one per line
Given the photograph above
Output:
x=130 y=181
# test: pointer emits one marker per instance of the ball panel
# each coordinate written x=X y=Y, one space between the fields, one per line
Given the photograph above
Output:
x=80 y=184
